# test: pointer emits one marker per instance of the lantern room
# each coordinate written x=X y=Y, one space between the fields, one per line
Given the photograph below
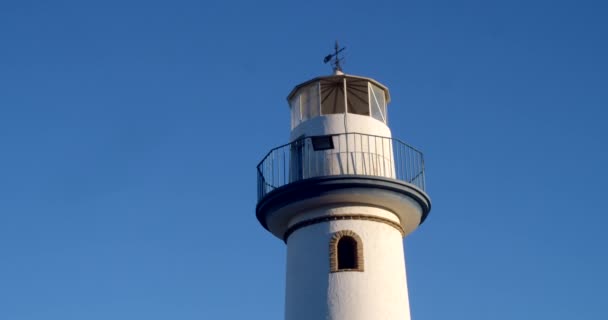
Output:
x=338 y=94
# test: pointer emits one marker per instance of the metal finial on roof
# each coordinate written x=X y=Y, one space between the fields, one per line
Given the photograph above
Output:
x=336 y=62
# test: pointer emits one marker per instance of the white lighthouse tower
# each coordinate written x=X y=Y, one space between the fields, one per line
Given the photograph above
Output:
x=342 y=194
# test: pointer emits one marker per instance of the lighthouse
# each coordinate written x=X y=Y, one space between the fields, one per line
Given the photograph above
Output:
x=342 y=194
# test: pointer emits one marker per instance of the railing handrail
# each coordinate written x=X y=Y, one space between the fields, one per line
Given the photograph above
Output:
x=363 y=154
x=332 y=135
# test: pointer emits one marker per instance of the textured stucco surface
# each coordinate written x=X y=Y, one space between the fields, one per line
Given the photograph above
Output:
x=313 y=292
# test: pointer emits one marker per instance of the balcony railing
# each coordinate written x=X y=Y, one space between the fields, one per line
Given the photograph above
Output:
x=341 y=154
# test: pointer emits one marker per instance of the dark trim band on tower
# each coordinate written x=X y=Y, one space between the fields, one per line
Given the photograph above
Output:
x=310 y=222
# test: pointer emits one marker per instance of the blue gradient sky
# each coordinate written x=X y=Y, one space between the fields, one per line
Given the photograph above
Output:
x=130 y=132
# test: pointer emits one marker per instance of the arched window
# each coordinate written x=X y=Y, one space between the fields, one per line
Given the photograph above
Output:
x=346 y=252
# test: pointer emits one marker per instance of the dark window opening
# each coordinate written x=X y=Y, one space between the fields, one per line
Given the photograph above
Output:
x=347 y=253
x=322 y=143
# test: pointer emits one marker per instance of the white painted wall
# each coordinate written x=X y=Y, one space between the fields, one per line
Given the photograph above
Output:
x=379 y=292
x=335 y=124
x=366 y=151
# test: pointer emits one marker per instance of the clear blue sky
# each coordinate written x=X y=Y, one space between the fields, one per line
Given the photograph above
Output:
x=130 y=132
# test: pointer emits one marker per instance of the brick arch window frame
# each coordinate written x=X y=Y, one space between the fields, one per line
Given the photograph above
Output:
x=333 y=251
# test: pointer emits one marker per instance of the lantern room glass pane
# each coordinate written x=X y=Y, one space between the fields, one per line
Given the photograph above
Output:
x=332 y=96
x=310 y=101
x=357 y=96
x=294 y=103
x=377 y=102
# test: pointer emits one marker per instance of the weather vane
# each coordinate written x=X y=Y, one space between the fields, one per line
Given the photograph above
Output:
x=336 y=62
